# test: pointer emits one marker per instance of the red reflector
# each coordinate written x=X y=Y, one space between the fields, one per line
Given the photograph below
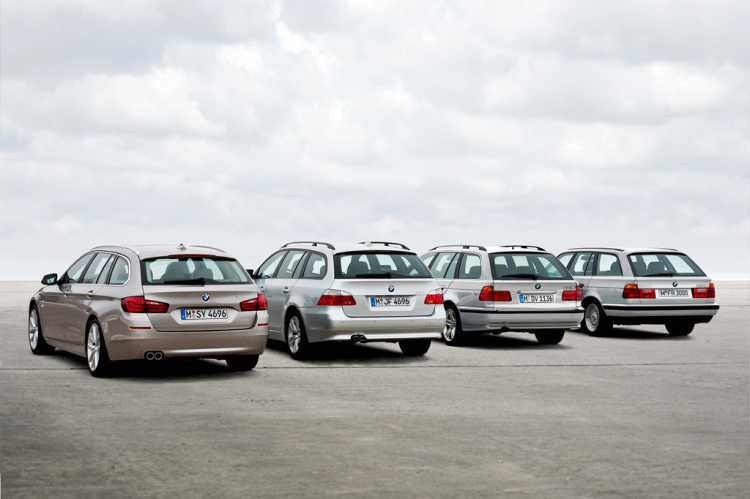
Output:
x=434 y=298
x=263 y=324
x=487 y=294
x=134 y=304
x=333 y=297
x=647 y=293
x=630 y=291
x=139 y=328
x=502 y=296
x=700 y=292
x=259 y=303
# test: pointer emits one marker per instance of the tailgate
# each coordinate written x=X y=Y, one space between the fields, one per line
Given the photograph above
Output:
x=535 y=295
x=388 y=297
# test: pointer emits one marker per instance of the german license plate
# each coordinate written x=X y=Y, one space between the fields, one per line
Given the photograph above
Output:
x=537 y=298
x=201 y=314
x=672 y=293
x=389 y=301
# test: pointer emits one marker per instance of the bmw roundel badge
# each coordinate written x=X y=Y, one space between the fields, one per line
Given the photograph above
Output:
x=674 y=284
x=537 y=286
x=206 y=297
x=391 y=288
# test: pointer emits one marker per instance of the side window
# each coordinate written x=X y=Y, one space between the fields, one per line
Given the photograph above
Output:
x=120 y=272
x=471 y=267
x=608 y=265
x=565 y=258
x=73 y=274
x=268 y=269
x=427 y=258
x=580 y=262
x=104 y=274
x=316 y=267
x=451 y=272
x=289 y=264
x=302 y=263
x=97 y=264
x=441 y=264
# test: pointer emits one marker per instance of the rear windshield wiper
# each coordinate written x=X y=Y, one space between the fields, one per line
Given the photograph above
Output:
x=522 y=276
x=662 y=274
x=200 y=280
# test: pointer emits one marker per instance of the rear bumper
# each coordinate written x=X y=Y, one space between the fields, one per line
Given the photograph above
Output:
x=134 y=344
x=484 y=320
x=659 y=314
x=332 y=324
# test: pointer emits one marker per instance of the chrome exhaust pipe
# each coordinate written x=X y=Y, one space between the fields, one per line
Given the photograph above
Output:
x=150 y=355
x=359 y=338
x=158 y=356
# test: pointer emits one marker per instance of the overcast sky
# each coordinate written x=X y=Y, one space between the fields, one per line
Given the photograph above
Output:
x=247 y=124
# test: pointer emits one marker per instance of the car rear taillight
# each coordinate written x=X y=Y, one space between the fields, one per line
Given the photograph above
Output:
x=571 y=295
x=630 y=291
x=334 y=297
x=488 y=293
x=434 y=297
x=711 y=291
x=259 y=303
x=647 y=293
x=140 y=305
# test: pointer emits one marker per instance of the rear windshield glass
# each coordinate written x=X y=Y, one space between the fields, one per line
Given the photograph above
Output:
x=192 y=270
x=663 y=265
x=527 y=266
x=378 y=265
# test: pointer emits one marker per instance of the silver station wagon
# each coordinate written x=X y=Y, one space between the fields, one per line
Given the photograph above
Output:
x=151 y=302
x=505 y=289
x=632 y=286
x=366 y=292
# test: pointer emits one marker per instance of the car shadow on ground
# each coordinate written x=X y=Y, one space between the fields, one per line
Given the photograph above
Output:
x=343 y=352
x=626 y=333
x=509 y=341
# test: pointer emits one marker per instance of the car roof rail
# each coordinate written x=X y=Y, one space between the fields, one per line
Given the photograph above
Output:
x=670 y=249
x=463 y=246
x=314 y=243
x=599 y=248
x=525 y=246
x=386 y=243
x=207 y=247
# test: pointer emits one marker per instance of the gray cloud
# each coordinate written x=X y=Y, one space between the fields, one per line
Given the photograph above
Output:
x=246 y=125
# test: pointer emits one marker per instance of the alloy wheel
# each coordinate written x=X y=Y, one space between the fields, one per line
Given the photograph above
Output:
x=93 y=346
x=450 y=325
x=294 y=335
x=592 y=317
x=33 y=329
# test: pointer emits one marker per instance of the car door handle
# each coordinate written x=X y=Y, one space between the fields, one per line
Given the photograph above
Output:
x=286 y=289
x=90 y=294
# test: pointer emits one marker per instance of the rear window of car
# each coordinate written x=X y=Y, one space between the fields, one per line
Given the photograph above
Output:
x=192 y=270
x=663 y=265
x=373 y=265
x=518 y=265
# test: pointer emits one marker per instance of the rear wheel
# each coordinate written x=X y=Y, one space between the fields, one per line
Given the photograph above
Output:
x=680 y=328
x=296 y=338
x=595 y=321
x=36 y=339
x=549 y=337
x=96 y=351
x=242 y=362
x=414 y=348
x=452 y=334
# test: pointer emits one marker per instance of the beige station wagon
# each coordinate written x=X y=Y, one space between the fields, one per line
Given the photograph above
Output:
x=151 y=302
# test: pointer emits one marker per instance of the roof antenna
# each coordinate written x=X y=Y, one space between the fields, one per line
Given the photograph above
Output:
x=181 y=247
x=368 y=243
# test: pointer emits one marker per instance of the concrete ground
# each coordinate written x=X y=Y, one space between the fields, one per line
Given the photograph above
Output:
x=636 y=414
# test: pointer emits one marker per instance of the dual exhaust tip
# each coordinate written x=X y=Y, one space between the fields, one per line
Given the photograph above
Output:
x=154 y=355
x=359 y=338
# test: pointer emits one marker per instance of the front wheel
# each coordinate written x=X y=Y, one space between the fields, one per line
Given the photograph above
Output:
x=242 y=362
x=595 y=321
x=680 y=328
x=296 y=338
x=36 y=338
x=96 y=351
x=414 y=348
x=549 y=337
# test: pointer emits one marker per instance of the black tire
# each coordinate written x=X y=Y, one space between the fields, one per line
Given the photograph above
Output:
x=99 y=366
x=296 y=338
x=680 y=328
x=595 y=321
x=414 y=348
x=549 y=337
x=242 y=362
x=36 y=338
x=456 y=336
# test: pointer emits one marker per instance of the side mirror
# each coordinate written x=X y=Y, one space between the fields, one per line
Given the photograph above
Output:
x=49 y=279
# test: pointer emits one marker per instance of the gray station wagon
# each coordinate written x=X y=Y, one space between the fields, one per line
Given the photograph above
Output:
x=631 y=286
